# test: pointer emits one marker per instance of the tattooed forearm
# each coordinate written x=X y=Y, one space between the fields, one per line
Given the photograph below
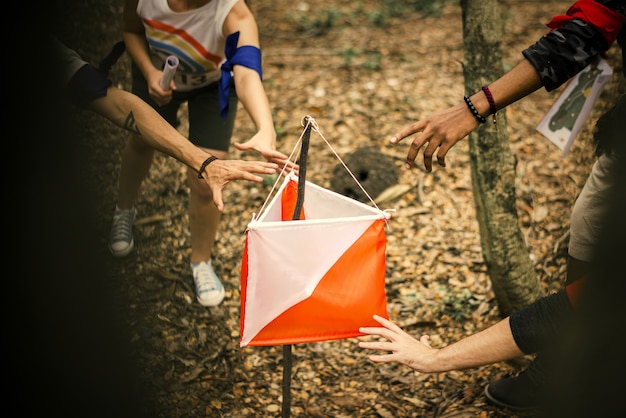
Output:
x=130 y=123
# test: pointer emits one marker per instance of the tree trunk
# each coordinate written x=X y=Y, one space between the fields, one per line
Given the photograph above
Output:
x=513 y=278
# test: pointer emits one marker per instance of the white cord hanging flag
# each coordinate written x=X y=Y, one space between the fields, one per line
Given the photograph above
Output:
x=317 y=278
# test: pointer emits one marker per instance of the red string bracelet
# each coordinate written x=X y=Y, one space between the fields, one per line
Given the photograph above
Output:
x=492 y=104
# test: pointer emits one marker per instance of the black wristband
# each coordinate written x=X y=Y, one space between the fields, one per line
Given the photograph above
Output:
x=472 y=109
x=204 y=164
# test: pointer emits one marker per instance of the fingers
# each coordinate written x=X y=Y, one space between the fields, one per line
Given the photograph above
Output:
x=249 y=171
x=428 y=156
x=428 y=138
x=441 y=154
x=240 y=147
x=269 y=170
x=377 y=331
x=381 y=358
x=250 y=177
x=409 y=130
x=412 y=154
x=375 y=345
x=246 y=169
x=413 y=149
x=425 y=339
x=272 y=155
x=217 y=199
x=418 y=142
x=262 y=167
x=285 y=164
x=160 y=96
x=389 y=330
x=290 y=166
x=387 y=324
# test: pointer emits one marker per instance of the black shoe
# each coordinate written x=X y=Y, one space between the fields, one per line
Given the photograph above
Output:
x=524 y=392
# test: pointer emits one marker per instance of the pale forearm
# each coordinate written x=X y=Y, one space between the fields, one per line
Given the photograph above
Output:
x=489 y=346
x=248 y=83
x=252 y=95
x=131 y=113
x=164 y=137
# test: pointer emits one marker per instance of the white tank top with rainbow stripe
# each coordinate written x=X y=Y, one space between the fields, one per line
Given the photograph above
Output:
x=194 y=36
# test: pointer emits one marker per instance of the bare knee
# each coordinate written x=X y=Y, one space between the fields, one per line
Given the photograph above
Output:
x=198 y=187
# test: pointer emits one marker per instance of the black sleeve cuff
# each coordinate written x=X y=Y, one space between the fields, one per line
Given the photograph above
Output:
x=536 y=325
x=562 y=53
x=87 y=85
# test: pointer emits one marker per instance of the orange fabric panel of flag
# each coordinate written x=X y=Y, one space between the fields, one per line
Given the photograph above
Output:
x=344 y=300
x=288 y=201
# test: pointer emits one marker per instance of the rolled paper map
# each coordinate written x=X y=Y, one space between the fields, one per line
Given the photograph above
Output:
x=169 y=69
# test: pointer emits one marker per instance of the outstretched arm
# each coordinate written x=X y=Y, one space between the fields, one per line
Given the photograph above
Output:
x=88 y=88
x=575 y=40
x=130 y=112
x=250 y=90
x=441 y=131
x=491 y=345
x=528 y=330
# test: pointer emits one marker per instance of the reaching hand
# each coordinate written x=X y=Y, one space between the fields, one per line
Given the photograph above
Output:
x=404 y=348
x=221 y=172
x=268 y=151
x=441 y=130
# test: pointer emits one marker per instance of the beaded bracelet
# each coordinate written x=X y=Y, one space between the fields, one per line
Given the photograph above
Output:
x=477 y=115
x=204 y=164
x=492 y=104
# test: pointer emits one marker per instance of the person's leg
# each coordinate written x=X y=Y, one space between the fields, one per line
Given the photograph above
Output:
x=588 y=216
x=587 y=377
x=136 y=161
x=206 y=130
x=204 y=217
x=525 y=391
x=204 y=220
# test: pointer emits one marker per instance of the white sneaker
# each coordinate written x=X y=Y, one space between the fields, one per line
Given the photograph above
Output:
x=209 y=289
x=121 y=240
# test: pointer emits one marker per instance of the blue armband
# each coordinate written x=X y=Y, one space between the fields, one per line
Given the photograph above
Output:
x=248 y=56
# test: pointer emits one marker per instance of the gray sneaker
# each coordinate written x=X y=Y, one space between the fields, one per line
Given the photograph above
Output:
x=121 y=240
x=209 y=289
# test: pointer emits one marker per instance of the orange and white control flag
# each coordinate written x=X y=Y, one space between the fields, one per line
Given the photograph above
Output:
x=314 y=279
